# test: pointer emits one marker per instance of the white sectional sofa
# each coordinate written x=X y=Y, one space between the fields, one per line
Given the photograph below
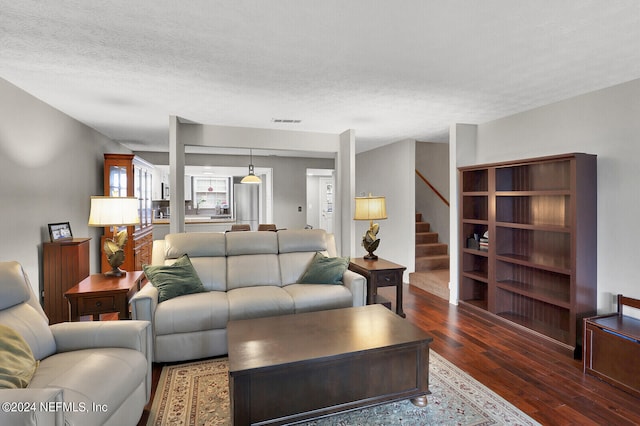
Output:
x=245 y=275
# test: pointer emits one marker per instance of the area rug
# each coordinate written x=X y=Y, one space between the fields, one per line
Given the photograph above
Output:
x=197 y=393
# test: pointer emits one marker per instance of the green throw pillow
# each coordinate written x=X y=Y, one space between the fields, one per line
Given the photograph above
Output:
x=174 y=280
x=325 y=270
x=18 y=364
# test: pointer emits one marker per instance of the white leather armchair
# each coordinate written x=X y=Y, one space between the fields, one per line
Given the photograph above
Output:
x=89 y=373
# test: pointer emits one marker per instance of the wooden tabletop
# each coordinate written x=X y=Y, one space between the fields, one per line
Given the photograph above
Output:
x=375 y=265
x=621 y=324
x=264 y=342
x=99 y=283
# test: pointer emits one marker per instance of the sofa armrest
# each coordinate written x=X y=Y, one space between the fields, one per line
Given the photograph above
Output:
x=31 y=407
x=144 y=303
x=357 y=284
x=73 y=336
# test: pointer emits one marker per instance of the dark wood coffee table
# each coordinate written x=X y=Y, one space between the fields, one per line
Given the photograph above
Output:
x=295 y=367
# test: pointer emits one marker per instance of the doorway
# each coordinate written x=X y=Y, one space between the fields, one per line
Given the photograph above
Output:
x=321 y=199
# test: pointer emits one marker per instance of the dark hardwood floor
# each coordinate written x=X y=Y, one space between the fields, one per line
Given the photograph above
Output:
x=547 y=385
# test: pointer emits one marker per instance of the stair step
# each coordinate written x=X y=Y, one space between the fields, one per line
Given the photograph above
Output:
x=423 y=227
x=426 y=237
x=434 y=282
x=418 y=217
x=430 y=249
x=426 y=263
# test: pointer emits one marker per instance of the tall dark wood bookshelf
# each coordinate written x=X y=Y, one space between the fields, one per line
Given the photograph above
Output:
x=537 y=268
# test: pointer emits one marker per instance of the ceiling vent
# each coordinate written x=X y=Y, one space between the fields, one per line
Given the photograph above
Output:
x=285 y=120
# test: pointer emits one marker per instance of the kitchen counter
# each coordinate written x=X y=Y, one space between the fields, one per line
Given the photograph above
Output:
x=192 y=219
x=193 y=224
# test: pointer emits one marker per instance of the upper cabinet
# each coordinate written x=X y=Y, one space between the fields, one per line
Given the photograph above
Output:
x=528 y=249
x=126 y=175
x=210 y=193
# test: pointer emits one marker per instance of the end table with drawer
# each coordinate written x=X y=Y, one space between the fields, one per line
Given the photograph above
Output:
x=380 y=273
x=98 y=294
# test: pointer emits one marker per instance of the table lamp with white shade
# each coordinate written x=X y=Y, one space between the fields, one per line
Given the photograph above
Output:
x=116 y=212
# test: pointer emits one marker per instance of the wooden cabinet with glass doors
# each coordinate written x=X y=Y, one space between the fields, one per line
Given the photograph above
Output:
x=126 y=175
x=537 y=266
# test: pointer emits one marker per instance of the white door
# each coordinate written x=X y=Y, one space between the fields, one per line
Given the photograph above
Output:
x=326 y=203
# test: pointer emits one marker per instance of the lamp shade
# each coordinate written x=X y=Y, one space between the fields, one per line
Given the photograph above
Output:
x=370 y=208
x=114 y=211
x=251 y=177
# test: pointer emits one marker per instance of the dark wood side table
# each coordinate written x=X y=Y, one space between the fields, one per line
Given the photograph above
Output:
x=380 y=273
x=98 y=294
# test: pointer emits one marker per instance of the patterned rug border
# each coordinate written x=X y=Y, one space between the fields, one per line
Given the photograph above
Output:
x=478 y=405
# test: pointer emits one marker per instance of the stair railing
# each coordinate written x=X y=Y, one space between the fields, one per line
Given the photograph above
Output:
x=425 y=180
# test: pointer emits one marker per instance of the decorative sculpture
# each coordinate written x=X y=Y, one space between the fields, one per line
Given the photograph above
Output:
x=114 y=250
x=370 y=242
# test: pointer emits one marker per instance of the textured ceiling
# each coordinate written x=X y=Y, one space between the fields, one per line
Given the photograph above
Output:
x=391 y=70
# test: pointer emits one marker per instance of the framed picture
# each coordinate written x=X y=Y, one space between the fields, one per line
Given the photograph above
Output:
x=60 y=231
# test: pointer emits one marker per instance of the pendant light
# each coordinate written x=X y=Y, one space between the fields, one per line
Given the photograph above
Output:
x=251 y=177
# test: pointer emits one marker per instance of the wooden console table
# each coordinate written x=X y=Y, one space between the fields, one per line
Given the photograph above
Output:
x=98 y=294
x=612 y=347
x=380 y=273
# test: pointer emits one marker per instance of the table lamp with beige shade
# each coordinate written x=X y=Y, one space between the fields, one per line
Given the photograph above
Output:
x=370 y=208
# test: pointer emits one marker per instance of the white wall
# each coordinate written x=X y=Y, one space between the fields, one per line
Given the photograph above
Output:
x=605 y=123
x=390 y=171
x=50 y=165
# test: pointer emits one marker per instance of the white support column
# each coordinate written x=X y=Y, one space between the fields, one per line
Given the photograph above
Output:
x=176 y=177
x=462 y=152
x=346 y=180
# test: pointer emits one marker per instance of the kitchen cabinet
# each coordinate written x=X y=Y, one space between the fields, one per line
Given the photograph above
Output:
x=126 y=175
x=211 y=193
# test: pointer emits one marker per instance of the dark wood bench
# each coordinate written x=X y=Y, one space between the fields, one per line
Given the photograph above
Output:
x=612 y=347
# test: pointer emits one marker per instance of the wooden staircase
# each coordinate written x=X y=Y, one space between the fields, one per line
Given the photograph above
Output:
x=432 y=261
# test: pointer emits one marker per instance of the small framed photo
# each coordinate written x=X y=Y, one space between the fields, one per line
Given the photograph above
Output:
x=60 y=231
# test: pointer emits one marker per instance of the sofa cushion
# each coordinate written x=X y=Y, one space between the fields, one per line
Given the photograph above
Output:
x=177 y=279
x=192 y=312
x=293 y=265
x=308 y=298
x=32 y=326
x=13 y=290
x=258 y=242
x=195 y=244
x=253 y=270
x=258 y=302
x=87 y=376
x=325 y=270
x=293 y=240
x=212 y=272
x=18 y=363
